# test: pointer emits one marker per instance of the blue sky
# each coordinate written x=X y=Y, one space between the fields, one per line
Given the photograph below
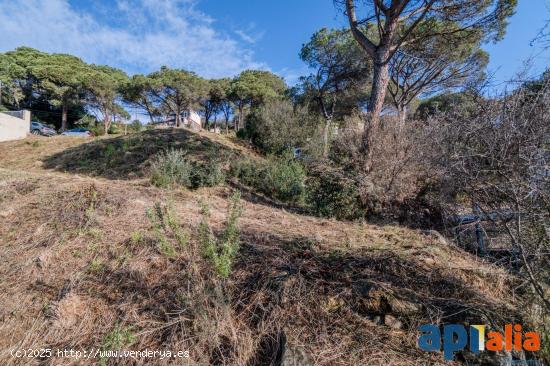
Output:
x=216 y=37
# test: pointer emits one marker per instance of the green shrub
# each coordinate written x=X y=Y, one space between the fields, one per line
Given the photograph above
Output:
x=330 y=193
x=242 y=134
x=109 y=151
x=284 y=179
x=277 y=125
x=280 y=177
x=248 y=171
x=171 y=168
x=221 y=251
x=115 y=129
x=135 y=126
x=206 y=175
x=97 y=129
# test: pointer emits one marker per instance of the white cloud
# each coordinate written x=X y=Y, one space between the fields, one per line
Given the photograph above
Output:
x=138 y=36
x=250 y=34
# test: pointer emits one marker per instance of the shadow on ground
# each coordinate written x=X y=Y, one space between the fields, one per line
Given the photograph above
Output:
x=127 y=157
x=374 y=283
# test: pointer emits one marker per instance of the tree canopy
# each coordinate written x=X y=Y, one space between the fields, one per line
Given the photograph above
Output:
x=382 y=28
x=62 y=78
x=437 y=65
x=175 y=90
x=339 y=75
x=253 y=87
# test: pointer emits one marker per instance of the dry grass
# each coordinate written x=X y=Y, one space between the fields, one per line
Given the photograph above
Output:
x=81 y=262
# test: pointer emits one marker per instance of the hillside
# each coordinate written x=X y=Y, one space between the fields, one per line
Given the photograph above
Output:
x=85 y=266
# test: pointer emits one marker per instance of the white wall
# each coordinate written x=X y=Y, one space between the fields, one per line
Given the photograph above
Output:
x=192 y=120
x=14 y=128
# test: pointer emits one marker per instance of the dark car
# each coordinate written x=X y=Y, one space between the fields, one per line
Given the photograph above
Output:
x=38 y=128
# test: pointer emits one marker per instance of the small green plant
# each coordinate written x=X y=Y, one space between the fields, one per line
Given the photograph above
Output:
x=84 y=163
x=136 y=237
x=156 y=217
x=91 y=195
x=248 y=171
x=117 y=339
x=221 y=251
x=45 y=307
x=97 y=129
x=126 y=145
x=109 y=151
x=171 y=168
x=95 y=265
x=180 y=235
x=95 y=233
x=164 y=223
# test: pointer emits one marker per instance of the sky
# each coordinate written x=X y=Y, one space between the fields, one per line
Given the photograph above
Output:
x=218 y=38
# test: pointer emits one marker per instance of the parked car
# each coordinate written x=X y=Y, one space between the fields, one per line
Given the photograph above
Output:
x=77 y=132
x=38 y=128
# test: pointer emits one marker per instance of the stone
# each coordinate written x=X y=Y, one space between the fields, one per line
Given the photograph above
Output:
x=392 y=322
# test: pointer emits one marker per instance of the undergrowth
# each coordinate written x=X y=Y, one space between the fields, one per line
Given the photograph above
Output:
x=281 y=177
x=173 y=168
x=165 y=227
x=221 y=251
x=117 y=339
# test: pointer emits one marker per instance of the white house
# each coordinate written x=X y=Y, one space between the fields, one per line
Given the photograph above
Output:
x=14 y=125
x=189 y=119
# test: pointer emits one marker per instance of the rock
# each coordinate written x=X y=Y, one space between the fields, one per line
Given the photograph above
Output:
x=6 y=213
x=375 y=299
x=296 y=356
x=436 y=235
x=404 y=307
x=392 y=322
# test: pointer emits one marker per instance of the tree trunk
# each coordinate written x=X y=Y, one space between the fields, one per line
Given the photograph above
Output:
x=64 y=116
x=376 y=103
x=106 y=124
x=238 y=126
x=402 y=115
x=326 y=132
x=226 y=117
x=178 y=119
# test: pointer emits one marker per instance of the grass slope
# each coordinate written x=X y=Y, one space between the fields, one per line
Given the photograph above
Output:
x=83 y=267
